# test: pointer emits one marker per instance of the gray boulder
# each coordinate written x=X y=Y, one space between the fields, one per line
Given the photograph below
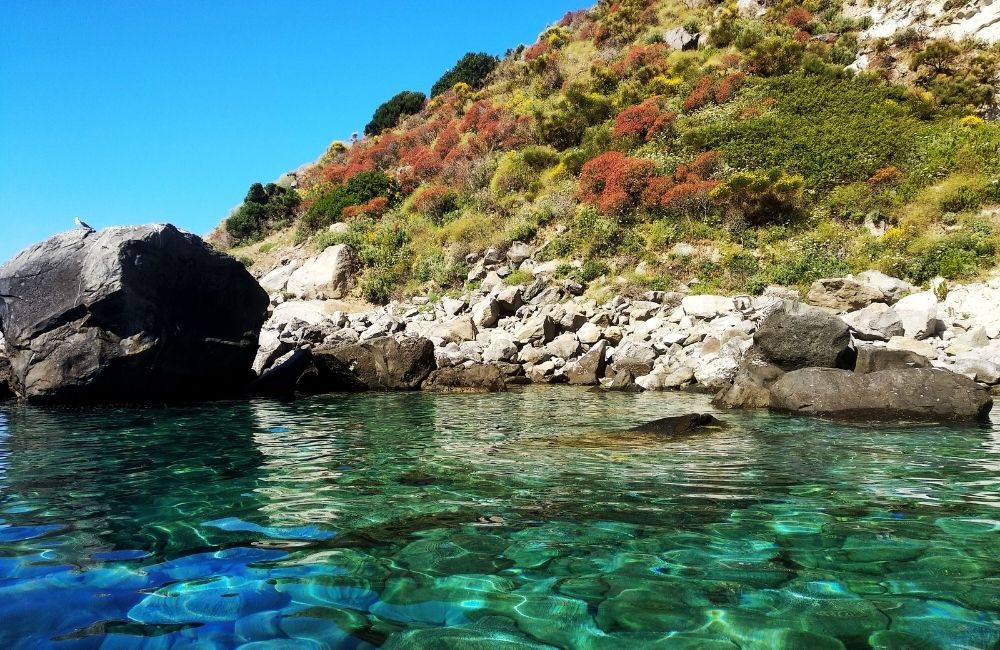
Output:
x=811 y=339
x=876 y=322
x=910 y=393
x=751 y=388
x=588 y=369
x=679 y=424
x=145 y=313
x=384 y=363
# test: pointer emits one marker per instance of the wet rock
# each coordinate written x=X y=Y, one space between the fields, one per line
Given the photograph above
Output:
x=679 y=424
x=588 y=369
x=876 y=322
x=624 y=381
x=282 y=379
x=911 y=393
x=146 y=313
x=6 y=389
x=843 y=294
x=380 y=364
x=873 y=359
x=466 y=379
x=808 y=340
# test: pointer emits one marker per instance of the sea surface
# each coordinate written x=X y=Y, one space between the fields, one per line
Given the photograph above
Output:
x=513 y=521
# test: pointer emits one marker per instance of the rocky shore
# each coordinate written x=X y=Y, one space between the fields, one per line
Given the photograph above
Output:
x=153 y=314
x=871 y=332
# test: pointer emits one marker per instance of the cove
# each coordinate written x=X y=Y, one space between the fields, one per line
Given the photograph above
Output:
x=526 y=519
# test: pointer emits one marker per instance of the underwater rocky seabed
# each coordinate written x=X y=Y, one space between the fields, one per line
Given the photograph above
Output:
x=513 y=520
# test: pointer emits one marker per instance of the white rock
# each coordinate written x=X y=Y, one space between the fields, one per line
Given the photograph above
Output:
x=519 y=251
x=452 y=306
x=276 y=280
x=707 y=306
x=892 y=288
x=564 y=346
x=981 y=370
x=589 y=333
x=328 y=273
x=912 y=345
x=919 y=314
x=979 y=303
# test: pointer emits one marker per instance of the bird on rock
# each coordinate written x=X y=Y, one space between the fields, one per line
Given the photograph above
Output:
x=82 y=224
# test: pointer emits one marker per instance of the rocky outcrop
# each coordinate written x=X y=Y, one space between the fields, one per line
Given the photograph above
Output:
x=384 y=363
x=910 y=393
x=129 y=314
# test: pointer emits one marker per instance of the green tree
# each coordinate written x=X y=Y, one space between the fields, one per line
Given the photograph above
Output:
x=386 y=116
x=473 y=69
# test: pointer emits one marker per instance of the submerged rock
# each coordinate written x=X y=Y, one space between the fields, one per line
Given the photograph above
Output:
x=911 y=393
x=678 y=424
x=129 y=314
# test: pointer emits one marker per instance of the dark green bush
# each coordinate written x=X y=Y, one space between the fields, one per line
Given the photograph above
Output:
x=473 y=69
x=361 y=188
x=408 y=102
x=265 y=208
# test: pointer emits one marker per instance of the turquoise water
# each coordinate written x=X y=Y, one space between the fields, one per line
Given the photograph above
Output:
x=491 y=521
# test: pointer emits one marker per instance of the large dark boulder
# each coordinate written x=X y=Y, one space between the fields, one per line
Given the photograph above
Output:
x=902 y=393
x=146 y=313
x=383 y=363
x=480 y=378
x=810 y=339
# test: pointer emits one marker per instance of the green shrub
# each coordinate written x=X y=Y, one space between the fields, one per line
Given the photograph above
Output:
x=265 y=208
x=829 y=130
x=472 y=69
x=387 y=115
x=377 y=285
x=361 y=188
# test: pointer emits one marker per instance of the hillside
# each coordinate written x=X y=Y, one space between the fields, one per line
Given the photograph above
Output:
x=658 y=143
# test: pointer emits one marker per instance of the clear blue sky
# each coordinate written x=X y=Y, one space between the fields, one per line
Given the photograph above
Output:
x=128 y=112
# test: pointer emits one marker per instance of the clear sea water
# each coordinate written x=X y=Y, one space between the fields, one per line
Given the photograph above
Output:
x=512 y=521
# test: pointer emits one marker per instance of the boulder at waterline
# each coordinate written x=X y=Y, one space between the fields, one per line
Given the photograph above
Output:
x=283 y=379
x=679 y=424
x=811 y=339
x=910 y=393
x=129 y=314
x=383 y=363
x=589 y=368
x=751 y=386
x=479 y=378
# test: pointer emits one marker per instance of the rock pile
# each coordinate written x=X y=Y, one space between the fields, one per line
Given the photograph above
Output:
x=544 y=331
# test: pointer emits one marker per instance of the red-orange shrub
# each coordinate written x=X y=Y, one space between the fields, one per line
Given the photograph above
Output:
x=374 y=208
x=798 y=17
x=613 y=182
x=644 y=120
x=701 y=95
x=728 y=87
